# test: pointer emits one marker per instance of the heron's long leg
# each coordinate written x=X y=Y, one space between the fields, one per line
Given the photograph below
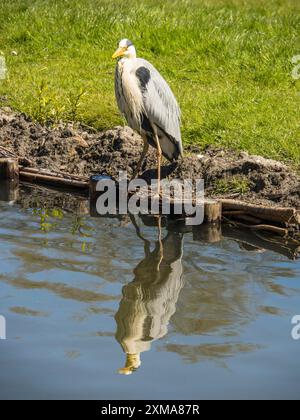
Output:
x=140 y=162
x=159 y=156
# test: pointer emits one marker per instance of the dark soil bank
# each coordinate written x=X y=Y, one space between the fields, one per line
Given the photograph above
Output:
x=76 y=151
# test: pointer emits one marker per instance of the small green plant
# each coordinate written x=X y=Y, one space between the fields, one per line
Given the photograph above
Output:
x=75 y=102
x=44 y=102
x=49 y=108
x=235 y=185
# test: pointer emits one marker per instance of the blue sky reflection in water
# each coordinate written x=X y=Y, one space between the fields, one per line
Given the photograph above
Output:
x=203 y=320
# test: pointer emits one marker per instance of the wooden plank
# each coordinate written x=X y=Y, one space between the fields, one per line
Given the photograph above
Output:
x=53 y=180
x=56 y=174
x=284 y=215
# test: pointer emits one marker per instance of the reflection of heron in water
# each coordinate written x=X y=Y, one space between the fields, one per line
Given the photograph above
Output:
x=149 y=301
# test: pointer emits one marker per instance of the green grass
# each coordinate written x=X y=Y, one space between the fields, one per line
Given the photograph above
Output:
x=234 y=185
x=228 y=62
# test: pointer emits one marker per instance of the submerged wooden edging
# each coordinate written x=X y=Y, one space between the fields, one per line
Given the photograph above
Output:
x=279 y=220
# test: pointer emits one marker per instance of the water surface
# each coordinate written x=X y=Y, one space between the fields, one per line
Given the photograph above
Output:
x=89 y=300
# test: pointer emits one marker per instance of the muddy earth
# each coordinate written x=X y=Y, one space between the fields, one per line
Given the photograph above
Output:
x=73 y=149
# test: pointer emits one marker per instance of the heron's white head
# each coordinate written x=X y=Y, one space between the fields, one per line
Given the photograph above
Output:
x=126 y=50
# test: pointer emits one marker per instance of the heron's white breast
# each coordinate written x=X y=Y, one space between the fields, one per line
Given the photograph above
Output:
x=131 y=91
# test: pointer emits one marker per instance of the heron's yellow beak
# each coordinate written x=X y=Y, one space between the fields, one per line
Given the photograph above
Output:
x=119 y=53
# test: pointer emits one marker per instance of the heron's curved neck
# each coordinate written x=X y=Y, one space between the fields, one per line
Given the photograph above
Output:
x=130 y=53
x=127 y=62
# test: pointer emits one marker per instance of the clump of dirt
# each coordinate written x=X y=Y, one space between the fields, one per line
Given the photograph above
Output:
x=76 y=150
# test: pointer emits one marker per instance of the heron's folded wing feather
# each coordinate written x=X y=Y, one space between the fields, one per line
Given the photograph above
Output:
x=159 y=102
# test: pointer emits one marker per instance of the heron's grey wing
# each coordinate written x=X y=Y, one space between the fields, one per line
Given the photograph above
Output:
x=161 y=108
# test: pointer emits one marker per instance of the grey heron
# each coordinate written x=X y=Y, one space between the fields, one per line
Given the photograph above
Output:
x=148 y=104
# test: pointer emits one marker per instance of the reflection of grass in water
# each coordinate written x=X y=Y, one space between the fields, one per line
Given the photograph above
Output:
x=21 y=310
x=49 y=219
x=214 y=352
x=72 y=354
x=79 y=226
x=44 y=215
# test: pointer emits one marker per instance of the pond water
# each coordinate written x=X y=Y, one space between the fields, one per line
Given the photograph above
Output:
x=89 y=300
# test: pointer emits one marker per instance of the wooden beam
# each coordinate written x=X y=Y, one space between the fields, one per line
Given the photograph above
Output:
x=283 y=215
x=53 y=180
